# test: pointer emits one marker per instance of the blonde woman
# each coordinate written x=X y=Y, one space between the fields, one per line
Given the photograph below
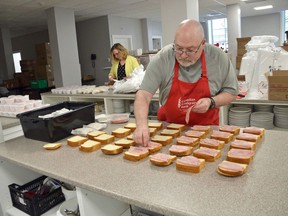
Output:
x=123 y=64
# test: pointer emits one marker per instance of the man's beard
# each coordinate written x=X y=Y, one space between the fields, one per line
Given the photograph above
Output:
x=186 y=62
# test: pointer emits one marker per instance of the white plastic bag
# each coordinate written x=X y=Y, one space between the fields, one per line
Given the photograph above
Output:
x=130 y=84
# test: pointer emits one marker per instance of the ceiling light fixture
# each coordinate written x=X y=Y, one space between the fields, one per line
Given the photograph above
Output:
x=263 y=7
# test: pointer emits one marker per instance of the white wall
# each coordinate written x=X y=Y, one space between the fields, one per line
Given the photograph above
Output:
x=262 y=25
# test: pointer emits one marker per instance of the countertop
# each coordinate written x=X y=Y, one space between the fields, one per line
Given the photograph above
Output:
x=8 y=122
x=263 y=190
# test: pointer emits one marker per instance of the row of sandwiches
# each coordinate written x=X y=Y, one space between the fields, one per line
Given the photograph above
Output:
x=241 y=152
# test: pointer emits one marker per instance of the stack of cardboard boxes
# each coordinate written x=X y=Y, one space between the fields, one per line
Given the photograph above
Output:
x=44 y=66
x=241 y=50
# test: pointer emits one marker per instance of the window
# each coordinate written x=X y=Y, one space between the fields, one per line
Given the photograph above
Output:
x=286 y=20
x=218 y=32
x=17 y=59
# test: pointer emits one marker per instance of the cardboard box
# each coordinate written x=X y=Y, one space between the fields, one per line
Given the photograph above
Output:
x=278 y=85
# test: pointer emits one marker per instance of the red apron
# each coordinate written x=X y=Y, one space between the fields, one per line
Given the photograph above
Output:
x=183 y=95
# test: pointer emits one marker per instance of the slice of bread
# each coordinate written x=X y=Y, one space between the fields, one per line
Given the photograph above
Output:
x=157 y=125
x=136 y=153
x=130 y=137
x=205 y=128
x=164 y=140
x=162 y=159
x=121 y=132
x=93 y=134
x=104 y=138
x=111 y=149
x=231 y=169
x=154 y=147
x=52 y=146
x=76 y=141
x=196 y=134
x=180 y=150
x=170 y=132
x=187 y=141
x=152 y=131
x=190 y=164
x=131 y=126
x=220 y=135
x=240 y=155
x=230 y=129
x=254 y=130
x=90 y=145
x=210 y=155
x=180 y=127
x=212 y=143
x=125 y=143
x=242 y=144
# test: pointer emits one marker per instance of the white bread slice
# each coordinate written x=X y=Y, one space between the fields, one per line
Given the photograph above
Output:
x=52 y=146
x=208 y=154
x=212 y=143
x=240 y=155
x=180 y=150
x=164 y=140
x=93 y=134
x=130 y=137
x=125 y=143
x=90 y=145
x=152 y=131
x=131 y=126
x=220 y=135
x=230 y=129
x=231 y=169
x=170 y=132
x=190 y=164
x=157 y=125
x=76 y=141
x=205 y=128
x=180 y=127
x=196 y=134
x=104 y=138
x=187 y=141
x=136 y=153
x=111 y=149
x=162 y=159
x=121 y=132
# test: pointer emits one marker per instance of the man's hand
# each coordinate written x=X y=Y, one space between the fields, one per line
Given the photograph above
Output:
x=202 y=105
x=142 y=135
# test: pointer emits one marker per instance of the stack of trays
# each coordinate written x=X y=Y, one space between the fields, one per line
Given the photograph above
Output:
x=281 y=116
x=240 y=116
x=262 y=120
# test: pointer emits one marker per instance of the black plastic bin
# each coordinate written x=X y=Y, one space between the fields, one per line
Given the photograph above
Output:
x=59 y=127
x=34 y=205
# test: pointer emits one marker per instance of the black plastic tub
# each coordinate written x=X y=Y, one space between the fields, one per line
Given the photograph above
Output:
x=59 y=127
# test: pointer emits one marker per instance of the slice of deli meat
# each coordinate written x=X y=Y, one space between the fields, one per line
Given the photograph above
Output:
x=193 y=133
x=242 y=144
x=241 y=153
x=138 y=150
x=212 y=142
x=253 y=130
x=189 y=160
x=161 y=157
x=248 y=137
x=231 y=167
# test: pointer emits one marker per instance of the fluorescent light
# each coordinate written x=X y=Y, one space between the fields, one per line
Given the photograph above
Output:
x=263 y=7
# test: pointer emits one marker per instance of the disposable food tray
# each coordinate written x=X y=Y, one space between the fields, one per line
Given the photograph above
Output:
x=34 y=205
x=58 y=127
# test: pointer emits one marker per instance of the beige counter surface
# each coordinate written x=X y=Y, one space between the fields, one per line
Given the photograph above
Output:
x=263 y=190
x=8 y=122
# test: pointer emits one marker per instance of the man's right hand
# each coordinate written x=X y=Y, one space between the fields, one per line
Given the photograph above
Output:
x=141 y=135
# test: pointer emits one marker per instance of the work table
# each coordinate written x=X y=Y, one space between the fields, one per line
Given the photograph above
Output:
x=261 y=191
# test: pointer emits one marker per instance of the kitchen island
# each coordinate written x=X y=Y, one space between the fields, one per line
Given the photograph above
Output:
x=263 y=190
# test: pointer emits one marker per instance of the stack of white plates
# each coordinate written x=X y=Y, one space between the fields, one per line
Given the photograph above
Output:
x=263 y=108
x=118 y=106
x=240 y=116
x=262 y=120
x=281 y=116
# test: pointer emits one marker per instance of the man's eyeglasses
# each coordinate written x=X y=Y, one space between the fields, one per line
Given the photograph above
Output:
x=188 y=52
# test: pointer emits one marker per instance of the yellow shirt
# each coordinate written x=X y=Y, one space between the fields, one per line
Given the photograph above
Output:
x=130 y=65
